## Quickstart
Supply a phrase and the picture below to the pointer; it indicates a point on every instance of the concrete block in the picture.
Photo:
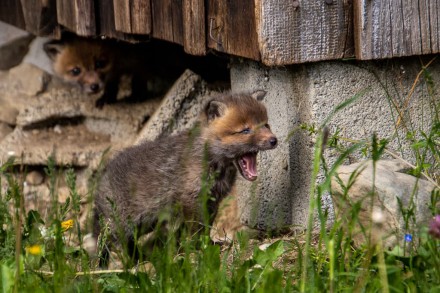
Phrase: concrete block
(320, 87)
(265, 203)
(308, 93)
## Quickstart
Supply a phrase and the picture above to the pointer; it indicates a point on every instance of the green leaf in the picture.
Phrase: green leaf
(270, 254)
(7, 278)
(70, 249)
(397, 251)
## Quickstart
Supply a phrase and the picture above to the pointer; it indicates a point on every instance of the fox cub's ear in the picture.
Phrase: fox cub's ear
(215, 109)
(53, 48)
(259, 95)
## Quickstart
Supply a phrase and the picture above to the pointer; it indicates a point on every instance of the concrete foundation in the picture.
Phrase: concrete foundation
(307, 94)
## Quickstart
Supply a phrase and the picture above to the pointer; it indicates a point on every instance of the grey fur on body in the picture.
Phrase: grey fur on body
(155, 177)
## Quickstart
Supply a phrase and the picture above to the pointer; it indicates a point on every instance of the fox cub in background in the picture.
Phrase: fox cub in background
(166, 177)
(97, 66)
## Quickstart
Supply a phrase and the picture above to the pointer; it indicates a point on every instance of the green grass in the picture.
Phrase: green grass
(38, 255)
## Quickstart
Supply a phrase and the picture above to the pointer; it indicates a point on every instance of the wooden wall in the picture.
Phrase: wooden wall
(275, 32)
(304, 31)
(394, 28)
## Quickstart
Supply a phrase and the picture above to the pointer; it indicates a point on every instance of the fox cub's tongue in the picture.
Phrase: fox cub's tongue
(248, 165)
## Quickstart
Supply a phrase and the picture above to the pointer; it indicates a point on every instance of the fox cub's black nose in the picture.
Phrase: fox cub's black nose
(94, 87)
(273, 141)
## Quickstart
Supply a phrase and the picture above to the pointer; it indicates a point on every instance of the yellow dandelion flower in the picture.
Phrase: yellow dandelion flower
(66, 225)
(34, 249)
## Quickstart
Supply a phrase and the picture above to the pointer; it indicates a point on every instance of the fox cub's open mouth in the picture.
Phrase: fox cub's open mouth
(247, 165)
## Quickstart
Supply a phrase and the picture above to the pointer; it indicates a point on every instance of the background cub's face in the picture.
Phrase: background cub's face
(83, 62)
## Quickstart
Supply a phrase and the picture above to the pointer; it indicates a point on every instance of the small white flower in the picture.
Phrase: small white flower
(264, 246)
(377, 216)
(43, 231)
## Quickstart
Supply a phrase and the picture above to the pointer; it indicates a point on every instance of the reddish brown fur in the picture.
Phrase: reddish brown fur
(153, 66)
(83, 54)
(97, 66)
(82, 61)
(166, 176)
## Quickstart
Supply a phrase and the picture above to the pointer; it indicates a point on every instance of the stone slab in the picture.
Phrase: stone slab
(70, 145)
(36, 55)
(179, 108)
(14, 44)
(5, 129)
(28, 79)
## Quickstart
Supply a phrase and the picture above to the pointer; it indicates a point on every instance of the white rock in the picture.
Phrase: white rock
(390, 185)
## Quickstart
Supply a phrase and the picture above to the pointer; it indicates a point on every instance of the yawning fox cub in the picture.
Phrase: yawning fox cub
(168, 176)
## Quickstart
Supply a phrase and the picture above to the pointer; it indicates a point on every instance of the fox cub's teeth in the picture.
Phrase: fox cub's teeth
(248, 166)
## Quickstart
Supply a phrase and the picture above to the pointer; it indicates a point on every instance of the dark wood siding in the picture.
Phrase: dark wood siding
(395, 28)
(275, 32)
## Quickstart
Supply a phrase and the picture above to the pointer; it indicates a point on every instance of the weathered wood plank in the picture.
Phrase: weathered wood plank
(132, 16)
(77, 15)
(167, 20)
(303, 31)
(39, 16)
(394, 28)
(107, 20)
(106, 24)
(232, 27)
(11, 12)
(434, 14)
(194, 31)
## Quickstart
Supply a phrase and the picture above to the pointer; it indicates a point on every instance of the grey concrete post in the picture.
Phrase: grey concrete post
(307, 94)
(266, 202)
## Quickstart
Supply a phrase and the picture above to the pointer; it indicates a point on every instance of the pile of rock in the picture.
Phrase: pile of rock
(40, 117)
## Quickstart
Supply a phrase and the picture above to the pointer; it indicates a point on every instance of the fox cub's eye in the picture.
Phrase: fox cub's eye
(247, 130)
(75, 71)
(267, 126)
(100, 64)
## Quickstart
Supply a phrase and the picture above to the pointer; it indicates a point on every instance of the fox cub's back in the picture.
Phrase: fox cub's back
(168, 175)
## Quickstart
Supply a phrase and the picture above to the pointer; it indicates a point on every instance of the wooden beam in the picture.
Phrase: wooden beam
(11, 12)
(232, 28)
(394, 28)
(194, 31)
(304, 31)
(39, 16)
(167, 20)
(107, 20)
(132, 16)
(107, 26)
(78, 16)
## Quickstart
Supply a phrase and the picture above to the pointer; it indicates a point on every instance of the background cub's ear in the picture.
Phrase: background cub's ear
(53, 48)
(215, 109)
(259, 95)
